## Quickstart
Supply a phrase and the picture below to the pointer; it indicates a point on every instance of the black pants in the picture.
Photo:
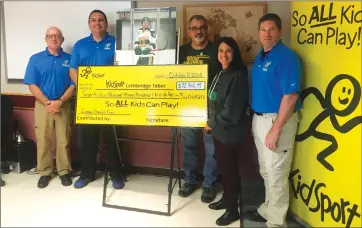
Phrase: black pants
(90, 141)
(228, 158)
(145, 61)
(7, 107)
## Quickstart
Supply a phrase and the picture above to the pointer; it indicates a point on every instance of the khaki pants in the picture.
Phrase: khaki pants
(275, 167)
(44, 125)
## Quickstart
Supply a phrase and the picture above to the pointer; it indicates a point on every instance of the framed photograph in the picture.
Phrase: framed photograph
(238, 20)
(146, 36)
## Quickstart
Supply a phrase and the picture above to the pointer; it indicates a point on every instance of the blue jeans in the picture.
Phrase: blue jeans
(189, 141)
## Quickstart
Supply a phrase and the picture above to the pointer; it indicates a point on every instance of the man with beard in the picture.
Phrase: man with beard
(199, 51)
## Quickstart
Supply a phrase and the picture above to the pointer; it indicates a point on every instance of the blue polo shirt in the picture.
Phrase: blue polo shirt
(88, 52)
(277, 74)
(50, 73)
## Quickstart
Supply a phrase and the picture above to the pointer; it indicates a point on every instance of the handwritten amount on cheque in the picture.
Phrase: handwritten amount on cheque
(121, 85)
(142, 95)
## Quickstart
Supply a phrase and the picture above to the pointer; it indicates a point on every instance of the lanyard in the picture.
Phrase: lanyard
(213, 84)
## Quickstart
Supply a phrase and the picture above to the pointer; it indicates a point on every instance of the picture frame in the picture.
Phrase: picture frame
(146, 36)
(237, 20)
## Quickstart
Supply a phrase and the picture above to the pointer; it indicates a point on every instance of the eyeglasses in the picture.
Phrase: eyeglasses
(57, 36)
(201, 28)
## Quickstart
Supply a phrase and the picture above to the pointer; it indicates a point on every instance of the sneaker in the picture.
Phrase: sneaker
(118, 183)
(83, 181)
(208, 195)
(187, 189)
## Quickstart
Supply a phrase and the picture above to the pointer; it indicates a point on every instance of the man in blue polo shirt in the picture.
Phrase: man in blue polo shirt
(96, 50)
(275, 99)
(47, 75)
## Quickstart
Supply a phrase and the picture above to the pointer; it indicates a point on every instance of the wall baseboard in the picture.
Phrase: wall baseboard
(164, 172)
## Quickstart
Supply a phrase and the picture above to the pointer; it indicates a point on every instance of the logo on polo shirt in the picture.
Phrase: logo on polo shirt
(65, 63)
(267, 64)
(107, 46)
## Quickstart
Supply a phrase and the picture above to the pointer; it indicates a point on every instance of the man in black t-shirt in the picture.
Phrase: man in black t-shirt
(199, 51)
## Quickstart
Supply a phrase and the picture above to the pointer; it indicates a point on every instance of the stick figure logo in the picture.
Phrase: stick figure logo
(343, 94)
(86, 72)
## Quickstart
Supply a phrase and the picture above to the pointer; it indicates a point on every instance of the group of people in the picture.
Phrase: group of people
(275, 88)
(275, 84)
(52, 76)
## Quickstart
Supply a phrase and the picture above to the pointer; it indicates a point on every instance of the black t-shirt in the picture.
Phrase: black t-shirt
(207, 55)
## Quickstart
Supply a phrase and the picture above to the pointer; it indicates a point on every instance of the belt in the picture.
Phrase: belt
(258, 113)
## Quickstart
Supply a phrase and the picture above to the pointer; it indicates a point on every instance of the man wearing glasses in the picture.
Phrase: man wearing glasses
(199, 51)
(47, 75)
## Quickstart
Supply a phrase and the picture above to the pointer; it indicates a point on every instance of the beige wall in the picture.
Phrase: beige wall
(282, 8)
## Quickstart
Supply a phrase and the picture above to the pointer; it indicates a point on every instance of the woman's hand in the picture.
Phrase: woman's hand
(207, 129)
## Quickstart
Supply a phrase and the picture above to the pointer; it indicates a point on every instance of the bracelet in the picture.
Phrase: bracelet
(61, 101)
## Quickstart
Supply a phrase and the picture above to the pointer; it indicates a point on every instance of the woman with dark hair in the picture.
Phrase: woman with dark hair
(227, 104)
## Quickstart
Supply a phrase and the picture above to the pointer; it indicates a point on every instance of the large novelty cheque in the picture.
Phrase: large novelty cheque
(169, 95)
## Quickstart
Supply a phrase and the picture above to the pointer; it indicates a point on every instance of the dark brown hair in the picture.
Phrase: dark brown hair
(237, 63)
(98, 11)
(271, 17)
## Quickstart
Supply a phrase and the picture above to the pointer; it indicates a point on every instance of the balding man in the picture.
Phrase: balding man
(47, 75)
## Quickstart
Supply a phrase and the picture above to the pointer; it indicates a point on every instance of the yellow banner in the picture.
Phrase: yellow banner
(326, 173)
(170, 95)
